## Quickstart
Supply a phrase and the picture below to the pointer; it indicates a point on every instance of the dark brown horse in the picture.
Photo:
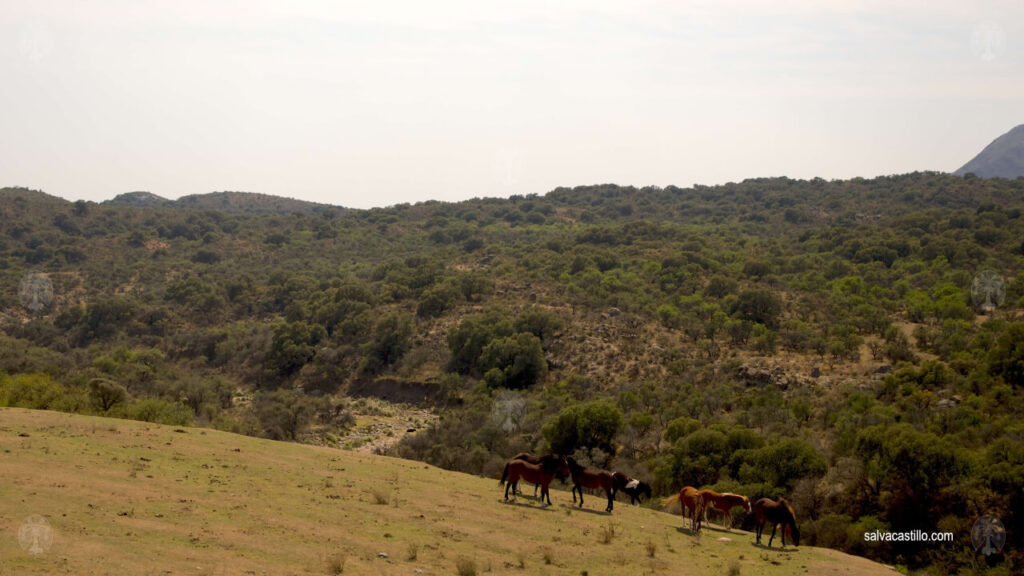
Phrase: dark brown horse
(780, 512)
(591, 478)
(633, 488)
(689, 499)
(723, 502)
(541, 474)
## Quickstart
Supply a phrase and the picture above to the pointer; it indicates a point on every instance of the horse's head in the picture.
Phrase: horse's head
(564, 468)
(794, 533)
(746, 504)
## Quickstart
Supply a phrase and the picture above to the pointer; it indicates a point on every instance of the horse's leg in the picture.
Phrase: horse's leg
(580, 488)
(611, 499)
(784, 526)
(507, 486)
(774, 526)
(728, 521)
(760, 527)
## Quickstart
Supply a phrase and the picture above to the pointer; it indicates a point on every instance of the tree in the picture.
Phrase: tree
(293, 345)
(467, 340)
(106, 394)
(758, 306)
(590, 425)
(283, 414)
(514, 361)
(391, 340)
(1006, 359)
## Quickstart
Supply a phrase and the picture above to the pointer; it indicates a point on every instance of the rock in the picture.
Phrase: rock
(613, 312)
(815, 372)
(883, 369)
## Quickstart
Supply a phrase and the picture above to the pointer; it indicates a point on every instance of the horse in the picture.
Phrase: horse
(535, 460)
(540, 474)
(633, 488)
(780, 512)
(723, 502)
(590, 478)
(689, 498)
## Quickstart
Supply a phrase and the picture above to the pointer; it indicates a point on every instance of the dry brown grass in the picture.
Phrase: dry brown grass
(232, 504)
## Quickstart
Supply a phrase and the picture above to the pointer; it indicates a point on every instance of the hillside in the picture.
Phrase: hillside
(137, 498)
(812, 339)
(226, 202)
(1003, 158)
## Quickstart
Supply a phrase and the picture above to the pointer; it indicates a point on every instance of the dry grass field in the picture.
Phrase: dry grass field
(122, 498)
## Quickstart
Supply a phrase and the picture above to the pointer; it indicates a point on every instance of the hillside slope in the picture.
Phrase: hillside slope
(1003, 158)
(125, 497)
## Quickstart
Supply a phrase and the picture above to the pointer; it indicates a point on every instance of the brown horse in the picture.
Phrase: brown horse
(780, 512)
(723, 502)
(541, 474)
(525, 457)
(590, 478)
(633, 488)
(689, 498)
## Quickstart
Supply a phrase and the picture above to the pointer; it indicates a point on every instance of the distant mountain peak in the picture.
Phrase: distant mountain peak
(1003, 158)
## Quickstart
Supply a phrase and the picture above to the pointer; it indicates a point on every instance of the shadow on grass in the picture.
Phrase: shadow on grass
(530, 505)
(776, 549)
(576, 508)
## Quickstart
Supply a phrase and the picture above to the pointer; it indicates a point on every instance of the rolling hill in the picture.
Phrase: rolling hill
(226, 202)
(775, 337)
(123, 497)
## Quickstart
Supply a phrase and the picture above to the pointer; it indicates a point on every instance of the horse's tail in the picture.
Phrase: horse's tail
(504, 476)
(670, 501)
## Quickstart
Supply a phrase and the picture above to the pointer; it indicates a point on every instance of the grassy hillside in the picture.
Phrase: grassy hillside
(812, 339)
(127, 497)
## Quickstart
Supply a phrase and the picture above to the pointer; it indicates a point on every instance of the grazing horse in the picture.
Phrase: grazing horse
(535, 460)
(689, 498)
(780, 512)
(634, 488)
(591, 478)
(723, 502)
(541, 474)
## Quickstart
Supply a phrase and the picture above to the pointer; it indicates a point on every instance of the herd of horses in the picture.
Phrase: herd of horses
(694, 504)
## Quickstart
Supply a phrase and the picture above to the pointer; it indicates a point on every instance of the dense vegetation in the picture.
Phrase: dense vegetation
(811, 339)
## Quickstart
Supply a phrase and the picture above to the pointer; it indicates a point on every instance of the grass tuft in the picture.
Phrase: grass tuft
(336, 564)
(465, 567)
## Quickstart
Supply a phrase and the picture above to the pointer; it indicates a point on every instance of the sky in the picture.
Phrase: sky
(364, 104)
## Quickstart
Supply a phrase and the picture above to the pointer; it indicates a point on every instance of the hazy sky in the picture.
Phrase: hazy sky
(375, 103)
